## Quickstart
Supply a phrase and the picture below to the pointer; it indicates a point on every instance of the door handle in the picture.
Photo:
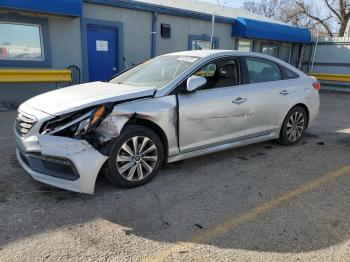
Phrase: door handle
(239, 100)
(284, 92)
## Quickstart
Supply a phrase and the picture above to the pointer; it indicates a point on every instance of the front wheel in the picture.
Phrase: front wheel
(135, 157)
(293, 126)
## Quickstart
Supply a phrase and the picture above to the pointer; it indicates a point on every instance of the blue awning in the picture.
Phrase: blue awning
(249, 28)
(57, 7)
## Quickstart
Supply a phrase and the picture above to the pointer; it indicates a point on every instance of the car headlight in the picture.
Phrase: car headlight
(75, 124)
(92, 121)
(96, 116)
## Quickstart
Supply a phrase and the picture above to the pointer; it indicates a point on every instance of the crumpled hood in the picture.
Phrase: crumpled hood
(72, 98)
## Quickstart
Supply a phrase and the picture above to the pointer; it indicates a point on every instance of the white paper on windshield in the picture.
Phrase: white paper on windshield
(101, 45)
(187, 59)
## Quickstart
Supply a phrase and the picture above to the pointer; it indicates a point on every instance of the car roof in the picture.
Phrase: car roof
(218, 52)
(204, 53)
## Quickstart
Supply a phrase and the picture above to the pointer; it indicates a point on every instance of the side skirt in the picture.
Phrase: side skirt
(222, 147)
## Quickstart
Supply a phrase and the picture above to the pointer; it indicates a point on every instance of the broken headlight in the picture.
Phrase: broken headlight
(75, 124)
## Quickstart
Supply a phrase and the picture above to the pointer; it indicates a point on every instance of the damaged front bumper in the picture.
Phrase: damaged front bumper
(60, 161)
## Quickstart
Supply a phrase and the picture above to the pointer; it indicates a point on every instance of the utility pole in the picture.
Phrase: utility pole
(212, 27)
(316, 45)
(212, 31)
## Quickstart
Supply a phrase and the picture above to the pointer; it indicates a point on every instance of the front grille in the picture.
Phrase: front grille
(24, 123)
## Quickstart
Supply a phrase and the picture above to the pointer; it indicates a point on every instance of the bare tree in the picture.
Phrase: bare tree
(267, 8)
(337, 9)
(283, 10)
(305, 13)
(294, 14)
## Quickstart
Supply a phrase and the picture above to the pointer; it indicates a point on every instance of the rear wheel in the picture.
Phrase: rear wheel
(135, 157)
(293, 126)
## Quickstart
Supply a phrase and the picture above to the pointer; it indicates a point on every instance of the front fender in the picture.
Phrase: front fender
(161, 111)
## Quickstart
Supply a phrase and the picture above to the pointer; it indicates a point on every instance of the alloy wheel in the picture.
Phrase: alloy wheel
(137, 158)
(295, 126)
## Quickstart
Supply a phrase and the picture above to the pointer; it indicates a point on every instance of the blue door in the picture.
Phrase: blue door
(102, 52)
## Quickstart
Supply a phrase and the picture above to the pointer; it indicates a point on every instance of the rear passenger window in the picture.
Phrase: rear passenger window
(288, 74)
(261, 70)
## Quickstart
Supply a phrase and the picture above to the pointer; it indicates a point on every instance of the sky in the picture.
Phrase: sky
(233, 3)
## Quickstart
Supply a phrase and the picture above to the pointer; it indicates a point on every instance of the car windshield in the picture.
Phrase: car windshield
(156, 72)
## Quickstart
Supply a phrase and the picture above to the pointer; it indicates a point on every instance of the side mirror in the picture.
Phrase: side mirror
(194, 82)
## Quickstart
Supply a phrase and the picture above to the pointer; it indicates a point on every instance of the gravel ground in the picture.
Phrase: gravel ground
(229, 200)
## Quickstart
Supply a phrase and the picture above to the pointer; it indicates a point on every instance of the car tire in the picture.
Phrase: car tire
(129, 167)
(293, 127)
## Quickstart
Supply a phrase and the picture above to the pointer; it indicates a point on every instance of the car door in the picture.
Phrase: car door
(268, 93)
(216, 113)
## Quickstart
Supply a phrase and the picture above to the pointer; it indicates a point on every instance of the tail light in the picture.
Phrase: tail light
(317, 86)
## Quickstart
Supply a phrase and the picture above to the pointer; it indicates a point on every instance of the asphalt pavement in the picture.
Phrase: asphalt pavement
(264, 202)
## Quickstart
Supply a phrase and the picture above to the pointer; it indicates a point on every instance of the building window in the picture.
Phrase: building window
(294, 60)
(20, 42)
(24, 42)
(201, 42)
(269, 50)
(245, 45)
(200, 45)
(285, 52)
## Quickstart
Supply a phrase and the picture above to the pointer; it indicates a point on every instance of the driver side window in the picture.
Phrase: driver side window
(220, 73)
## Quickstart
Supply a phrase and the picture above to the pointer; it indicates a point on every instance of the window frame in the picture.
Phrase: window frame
(45, 41)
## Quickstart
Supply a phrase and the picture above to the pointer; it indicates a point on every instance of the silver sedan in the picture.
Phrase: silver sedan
(170, 108)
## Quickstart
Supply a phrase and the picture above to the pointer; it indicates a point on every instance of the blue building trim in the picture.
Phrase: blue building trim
(59, 7)
(46, 45)
(203, 37)
(161, 9)
(154, 35)
(103, 23)
(249, 28)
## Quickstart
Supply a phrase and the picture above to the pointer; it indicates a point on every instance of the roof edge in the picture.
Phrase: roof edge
(161, 10)
(67, 8)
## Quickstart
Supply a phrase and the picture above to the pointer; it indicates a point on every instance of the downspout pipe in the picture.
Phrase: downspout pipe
(154, 35)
